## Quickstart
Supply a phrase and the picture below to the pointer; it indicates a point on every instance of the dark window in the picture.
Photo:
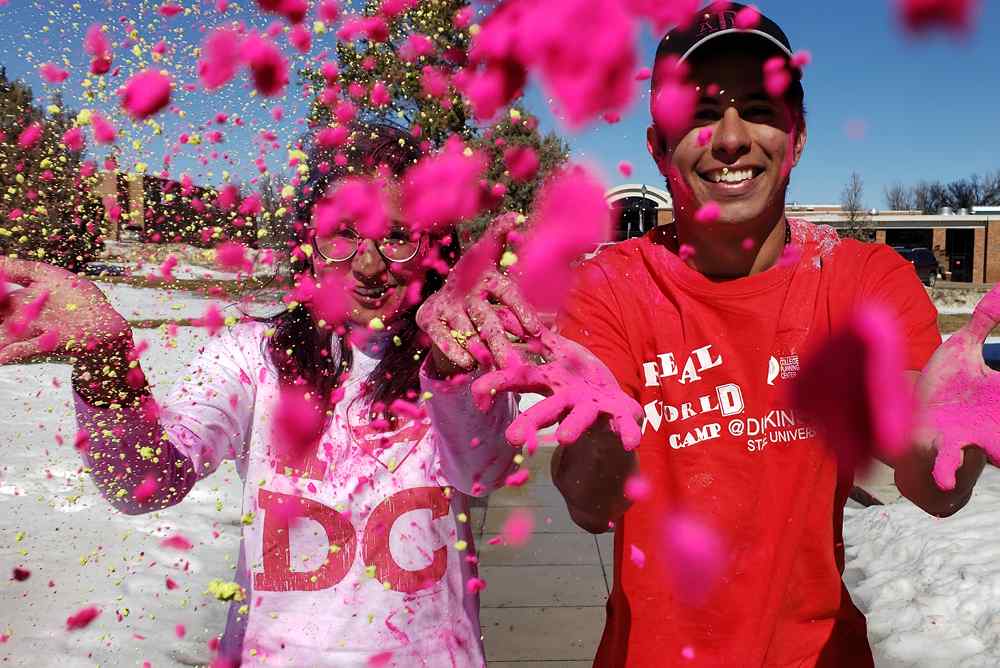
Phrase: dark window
(636, 216)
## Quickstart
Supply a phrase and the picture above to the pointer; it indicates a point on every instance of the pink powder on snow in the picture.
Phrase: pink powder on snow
(176, 542)
(82, 618)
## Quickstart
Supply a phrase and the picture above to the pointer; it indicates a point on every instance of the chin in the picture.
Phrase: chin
(738, 213)
(363, 315)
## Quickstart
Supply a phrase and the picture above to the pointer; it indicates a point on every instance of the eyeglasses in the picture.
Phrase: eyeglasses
(344, 244)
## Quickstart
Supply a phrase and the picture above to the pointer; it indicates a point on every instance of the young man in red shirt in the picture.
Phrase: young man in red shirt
(704, 338)
(702, 324)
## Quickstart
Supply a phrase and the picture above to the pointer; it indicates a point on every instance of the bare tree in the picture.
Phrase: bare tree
(965, 193)
(932, 196)
(991, 189)
(929, 197)
(899, 197)
(852, 202)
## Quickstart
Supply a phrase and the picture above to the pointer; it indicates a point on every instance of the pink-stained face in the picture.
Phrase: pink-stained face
(375, 287)
(740, 146)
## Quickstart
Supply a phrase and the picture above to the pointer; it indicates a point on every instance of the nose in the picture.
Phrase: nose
(731, 139)
(367, 262)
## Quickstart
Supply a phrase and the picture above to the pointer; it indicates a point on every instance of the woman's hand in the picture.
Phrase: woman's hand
(55, 310)
(479, 309)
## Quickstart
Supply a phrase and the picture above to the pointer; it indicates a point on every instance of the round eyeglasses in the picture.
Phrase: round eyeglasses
(343, 245)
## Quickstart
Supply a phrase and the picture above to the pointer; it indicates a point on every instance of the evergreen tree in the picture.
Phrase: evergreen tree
(364, 62)
(50, 210)
(518, 129)
(275, 226)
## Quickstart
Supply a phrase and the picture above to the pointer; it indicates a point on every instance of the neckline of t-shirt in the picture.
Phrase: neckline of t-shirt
(373, 347)
(696, 282)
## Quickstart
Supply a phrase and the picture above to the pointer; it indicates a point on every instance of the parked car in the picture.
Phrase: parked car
(991, 355)
(923, 261)
(103, 269)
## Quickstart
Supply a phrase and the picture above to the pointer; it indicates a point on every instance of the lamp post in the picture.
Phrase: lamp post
(642, 211)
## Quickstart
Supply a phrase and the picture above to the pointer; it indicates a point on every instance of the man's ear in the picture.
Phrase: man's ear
(800, 143)
(657, 148)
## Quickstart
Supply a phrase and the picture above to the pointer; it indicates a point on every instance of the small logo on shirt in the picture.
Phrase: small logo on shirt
(782, 367)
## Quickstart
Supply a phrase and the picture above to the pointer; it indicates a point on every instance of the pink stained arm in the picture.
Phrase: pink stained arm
(113, 451)
(473, 467)
(206, 418)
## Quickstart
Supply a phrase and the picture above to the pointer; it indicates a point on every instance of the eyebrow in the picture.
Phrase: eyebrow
(757, 96)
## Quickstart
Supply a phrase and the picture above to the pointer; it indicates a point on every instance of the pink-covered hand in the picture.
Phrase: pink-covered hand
(479, 305)
(961, 395)
(53, 308)
(579, 389)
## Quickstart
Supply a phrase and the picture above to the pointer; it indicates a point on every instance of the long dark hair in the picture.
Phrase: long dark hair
(299, 347)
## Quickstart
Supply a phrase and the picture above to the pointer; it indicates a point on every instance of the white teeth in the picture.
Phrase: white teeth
(727, 176)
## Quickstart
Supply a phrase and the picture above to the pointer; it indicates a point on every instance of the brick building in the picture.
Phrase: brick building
(967, 244)
(155, 209)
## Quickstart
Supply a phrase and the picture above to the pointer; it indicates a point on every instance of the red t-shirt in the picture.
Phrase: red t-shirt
(708, 361)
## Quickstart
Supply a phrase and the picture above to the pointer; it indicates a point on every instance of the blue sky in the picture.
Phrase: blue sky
(931, 106)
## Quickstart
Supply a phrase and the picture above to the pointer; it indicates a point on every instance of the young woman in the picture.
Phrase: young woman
(357, 550)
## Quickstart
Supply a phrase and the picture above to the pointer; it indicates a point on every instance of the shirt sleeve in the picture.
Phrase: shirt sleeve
(134, 467)
(474, 452)
(209, 413)
(592, 316)
(890, 280)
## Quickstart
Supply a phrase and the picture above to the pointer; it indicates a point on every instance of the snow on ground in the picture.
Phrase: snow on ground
(182, 270)
(157, 303)
(140, 259)
(989, 339)
(186, 271)
(154, 304)
(93, 555)
(955, 301)
(930, 587)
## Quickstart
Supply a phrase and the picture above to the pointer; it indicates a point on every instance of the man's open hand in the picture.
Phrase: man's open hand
(579, 390)
(961, 395)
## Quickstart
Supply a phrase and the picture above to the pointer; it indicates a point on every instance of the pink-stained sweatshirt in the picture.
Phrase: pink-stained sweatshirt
(367, 551)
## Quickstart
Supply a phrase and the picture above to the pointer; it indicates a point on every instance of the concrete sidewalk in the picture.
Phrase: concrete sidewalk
(544, 602)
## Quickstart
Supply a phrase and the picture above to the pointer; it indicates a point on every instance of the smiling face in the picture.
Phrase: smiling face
(755, 140)
(374, 286)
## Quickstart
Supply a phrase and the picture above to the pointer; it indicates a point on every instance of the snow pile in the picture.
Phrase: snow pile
(955, 301)
(929, 587)
(141, 259)
(81, 552)
(161, 304)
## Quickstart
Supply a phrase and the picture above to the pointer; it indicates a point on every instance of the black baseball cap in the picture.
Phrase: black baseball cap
(713, 22)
